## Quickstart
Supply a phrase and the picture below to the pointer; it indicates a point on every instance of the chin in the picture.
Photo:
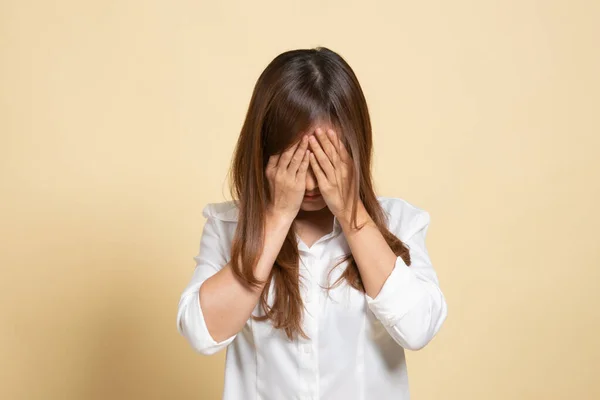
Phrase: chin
(313, 205)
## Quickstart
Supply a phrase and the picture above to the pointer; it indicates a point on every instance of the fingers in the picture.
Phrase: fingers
(322, 158)
(299, 155)
(333, 139)
(339, 145)
(327, 146)
(301, 174)
(272, 163)
(344, 154)
(321, 177)
(327, 149)
(286, 156)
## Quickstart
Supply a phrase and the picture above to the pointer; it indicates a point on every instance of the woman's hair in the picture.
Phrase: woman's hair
(298, 89)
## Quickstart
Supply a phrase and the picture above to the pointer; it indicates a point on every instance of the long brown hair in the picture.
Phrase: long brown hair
(297, 89)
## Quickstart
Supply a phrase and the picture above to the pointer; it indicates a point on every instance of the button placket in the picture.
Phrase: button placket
(311, 275)
(307, 357)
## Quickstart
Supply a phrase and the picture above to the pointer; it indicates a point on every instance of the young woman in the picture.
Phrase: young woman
(313, 283)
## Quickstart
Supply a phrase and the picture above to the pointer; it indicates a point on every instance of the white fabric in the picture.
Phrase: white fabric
(356, 345)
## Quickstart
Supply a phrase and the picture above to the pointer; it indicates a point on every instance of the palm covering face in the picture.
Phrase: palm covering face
(332, 166)
(286, 174)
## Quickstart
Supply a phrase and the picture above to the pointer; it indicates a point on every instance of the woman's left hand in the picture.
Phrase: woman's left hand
(334, 171)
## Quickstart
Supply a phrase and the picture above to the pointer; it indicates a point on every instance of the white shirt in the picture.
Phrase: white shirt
(356, 350)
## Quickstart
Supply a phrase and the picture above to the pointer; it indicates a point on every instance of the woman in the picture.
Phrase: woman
(305, 214)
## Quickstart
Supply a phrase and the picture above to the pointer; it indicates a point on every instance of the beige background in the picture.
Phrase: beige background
(117, 124)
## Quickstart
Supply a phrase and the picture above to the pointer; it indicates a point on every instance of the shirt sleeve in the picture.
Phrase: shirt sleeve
(190, 319)
(411, 304)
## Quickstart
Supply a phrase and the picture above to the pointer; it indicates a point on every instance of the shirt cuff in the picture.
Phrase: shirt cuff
(399, 293)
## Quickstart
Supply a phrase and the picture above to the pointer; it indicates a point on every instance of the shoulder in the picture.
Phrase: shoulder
(404, 218)
(223, 210)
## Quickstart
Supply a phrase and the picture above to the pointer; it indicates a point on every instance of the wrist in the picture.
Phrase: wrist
(276, 219)
(362, 216)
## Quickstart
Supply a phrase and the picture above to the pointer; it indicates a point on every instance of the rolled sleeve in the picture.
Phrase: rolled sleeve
(400, 293)
(410, 303)
(190, 317)
(192, 325)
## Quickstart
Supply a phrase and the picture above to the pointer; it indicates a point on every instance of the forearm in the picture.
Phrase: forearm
(226, 303)
(374, 257)
(408, 301)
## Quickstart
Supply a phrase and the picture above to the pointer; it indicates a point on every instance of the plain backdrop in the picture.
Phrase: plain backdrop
(117, 125)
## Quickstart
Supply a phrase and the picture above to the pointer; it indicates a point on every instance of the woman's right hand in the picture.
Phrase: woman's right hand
(286, 173)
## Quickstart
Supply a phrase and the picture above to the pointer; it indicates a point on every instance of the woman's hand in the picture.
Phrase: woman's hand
(333, 168)
(286, 174)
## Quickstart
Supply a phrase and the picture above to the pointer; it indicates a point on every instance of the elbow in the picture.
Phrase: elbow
(199, 340)
(195, 338)
(208, 350)
(414, 333)
(199, 344)
(191, 325)
(415, 345)
(415, 342)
